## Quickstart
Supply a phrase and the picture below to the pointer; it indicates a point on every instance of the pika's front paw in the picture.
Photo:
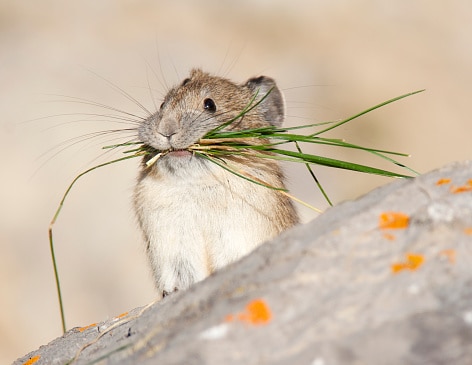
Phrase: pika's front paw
(166, 293)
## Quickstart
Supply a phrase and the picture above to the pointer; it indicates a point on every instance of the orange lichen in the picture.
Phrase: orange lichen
(389, 236)
(468, 231)
(82, 329)
(462, 188)
(257, 312)
(393, 220)
(443, 181)
(413, 262)
(229, 318)
(122, 315)
(32, 360)
(450, 254)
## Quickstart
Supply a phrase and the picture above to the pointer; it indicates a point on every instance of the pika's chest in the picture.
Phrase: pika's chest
(180, 194)
(220, 194)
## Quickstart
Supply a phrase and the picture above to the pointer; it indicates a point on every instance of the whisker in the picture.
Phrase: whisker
(122, 92)
(150, 90)
(84, 101)
(98, 137)
(110, 116)
(71, 142)
(233, 62)
(162, 80)
(109, 119)
(304, 87)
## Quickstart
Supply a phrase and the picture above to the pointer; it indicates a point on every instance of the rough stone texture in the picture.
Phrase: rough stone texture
(329, 286)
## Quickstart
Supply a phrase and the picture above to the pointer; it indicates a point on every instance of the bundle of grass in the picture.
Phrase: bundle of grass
(222, 141)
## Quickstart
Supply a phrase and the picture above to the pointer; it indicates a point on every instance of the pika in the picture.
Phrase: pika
(197, 217)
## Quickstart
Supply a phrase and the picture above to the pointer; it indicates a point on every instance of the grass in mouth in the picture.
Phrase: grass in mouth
(220, 143)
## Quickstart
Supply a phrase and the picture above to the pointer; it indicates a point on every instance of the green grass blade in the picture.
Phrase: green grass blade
(330, 162)
(367, 111)
(50, 232)
(125, 144)
(222, 165)
(56, 278)
(291, 156)
(310, 170)
(341, 143)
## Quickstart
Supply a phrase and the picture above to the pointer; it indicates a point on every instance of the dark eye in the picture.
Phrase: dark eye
(209, 104)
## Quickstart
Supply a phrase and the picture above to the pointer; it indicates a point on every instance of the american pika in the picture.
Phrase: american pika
(197, 217)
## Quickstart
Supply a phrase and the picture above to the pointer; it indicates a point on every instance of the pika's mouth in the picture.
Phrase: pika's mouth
(177, 153)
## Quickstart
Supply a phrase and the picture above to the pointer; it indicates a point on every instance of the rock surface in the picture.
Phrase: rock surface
(386, 279)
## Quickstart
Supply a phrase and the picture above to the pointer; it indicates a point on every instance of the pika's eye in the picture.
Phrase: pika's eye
(209, 104)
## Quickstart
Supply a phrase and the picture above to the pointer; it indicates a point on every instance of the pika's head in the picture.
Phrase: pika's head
(203, 102)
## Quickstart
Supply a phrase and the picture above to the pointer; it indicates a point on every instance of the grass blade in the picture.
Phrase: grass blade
(368, 111)
(240, 174)
(50, 232)
(258, 182)
(330, 162)
(314, 177)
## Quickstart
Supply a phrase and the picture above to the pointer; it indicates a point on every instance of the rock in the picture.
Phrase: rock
(385, 279)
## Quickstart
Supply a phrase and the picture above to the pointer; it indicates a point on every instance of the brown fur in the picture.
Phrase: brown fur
(197, 217)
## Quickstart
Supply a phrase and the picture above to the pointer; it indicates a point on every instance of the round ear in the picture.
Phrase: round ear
(272, 107)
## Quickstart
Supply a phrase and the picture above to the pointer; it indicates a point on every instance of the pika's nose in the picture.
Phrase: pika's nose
(167, 135)
(167, 128)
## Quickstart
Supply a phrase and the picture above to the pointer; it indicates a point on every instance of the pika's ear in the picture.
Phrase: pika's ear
(272, 107)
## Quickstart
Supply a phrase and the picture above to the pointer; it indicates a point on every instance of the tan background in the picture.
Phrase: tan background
(331, 58)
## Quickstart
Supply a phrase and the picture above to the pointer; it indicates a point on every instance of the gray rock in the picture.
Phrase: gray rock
(338, 290)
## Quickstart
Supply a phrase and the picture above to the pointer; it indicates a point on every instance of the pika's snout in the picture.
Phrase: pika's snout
(167, 128)
(164, 133)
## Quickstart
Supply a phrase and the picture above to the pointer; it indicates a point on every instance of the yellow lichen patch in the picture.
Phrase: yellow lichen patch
(32, 360)
(393, 220)
(443, 181)
(412, 262)
(468, 231)
(82, 329)
(449, 254)
(257, 312)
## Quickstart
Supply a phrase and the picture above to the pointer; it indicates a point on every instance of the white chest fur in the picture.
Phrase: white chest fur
(200, 220)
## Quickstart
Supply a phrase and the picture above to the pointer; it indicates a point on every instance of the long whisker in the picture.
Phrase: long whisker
(107, 119)
(74, 99)
(112, 118)
(122, 92)
(150, 90)
(97, 137)
(71, 142)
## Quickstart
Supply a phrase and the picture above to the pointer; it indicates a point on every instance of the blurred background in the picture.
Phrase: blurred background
(332, 59)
